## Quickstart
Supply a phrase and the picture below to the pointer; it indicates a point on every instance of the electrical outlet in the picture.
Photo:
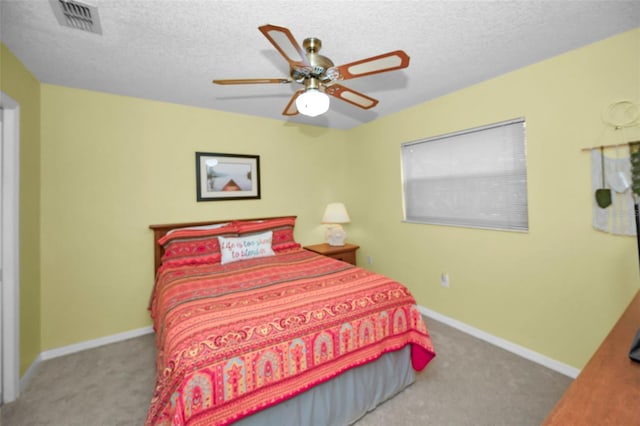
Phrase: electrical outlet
(444, 280)
(369, 260)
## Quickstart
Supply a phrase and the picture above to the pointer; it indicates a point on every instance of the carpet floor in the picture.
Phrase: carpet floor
(470, 382)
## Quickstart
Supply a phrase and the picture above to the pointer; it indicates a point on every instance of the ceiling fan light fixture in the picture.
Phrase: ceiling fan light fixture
(312, 103)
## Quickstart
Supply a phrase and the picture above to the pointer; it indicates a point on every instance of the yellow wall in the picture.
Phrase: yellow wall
(556, 289)
(17, 82)
(113, 165)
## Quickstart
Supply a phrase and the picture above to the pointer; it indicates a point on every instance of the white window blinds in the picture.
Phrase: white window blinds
(473, 178)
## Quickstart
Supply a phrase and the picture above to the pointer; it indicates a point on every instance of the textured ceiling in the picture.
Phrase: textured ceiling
(170, 50)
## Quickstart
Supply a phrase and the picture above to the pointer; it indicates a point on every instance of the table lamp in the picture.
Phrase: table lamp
(334, 215)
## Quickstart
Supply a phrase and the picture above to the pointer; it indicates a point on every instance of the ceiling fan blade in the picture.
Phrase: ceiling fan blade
(390, 61)
(283, 41)
(291, 108)
(348, 95)
(254, 81)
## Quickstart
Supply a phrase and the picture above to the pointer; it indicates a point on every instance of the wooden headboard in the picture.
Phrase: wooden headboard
(160, 231)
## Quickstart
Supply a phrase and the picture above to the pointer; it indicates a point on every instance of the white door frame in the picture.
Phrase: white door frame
(10, 248)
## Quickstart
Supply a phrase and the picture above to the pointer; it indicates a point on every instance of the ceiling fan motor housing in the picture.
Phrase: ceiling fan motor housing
(319, 64)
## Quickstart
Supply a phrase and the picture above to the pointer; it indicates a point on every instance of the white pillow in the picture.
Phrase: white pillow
(247, 247)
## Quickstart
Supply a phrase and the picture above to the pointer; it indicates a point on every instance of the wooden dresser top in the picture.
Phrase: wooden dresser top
(607, 391)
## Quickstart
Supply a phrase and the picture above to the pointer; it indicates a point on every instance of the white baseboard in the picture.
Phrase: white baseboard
(90, 344)
(536, 357)
(30, 372)
(82, 346)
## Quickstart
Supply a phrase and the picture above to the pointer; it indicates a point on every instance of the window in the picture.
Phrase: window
(473, 178)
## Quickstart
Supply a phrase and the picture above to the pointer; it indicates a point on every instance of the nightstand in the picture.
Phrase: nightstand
(346, 253)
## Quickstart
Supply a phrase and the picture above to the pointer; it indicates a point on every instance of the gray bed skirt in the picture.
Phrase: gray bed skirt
(344, 399)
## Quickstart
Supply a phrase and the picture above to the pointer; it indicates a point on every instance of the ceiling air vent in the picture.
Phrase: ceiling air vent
(77, 15)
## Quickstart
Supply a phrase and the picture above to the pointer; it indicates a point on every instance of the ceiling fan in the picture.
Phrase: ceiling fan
(319, 75)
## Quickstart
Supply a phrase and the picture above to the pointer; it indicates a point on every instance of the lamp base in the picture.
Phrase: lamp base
(335, 235)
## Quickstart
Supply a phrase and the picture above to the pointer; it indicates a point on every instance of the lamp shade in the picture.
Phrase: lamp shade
(335, 213)
(312, 103)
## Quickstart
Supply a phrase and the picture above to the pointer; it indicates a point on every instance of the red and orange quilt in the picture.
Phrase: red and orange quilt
(234, 339)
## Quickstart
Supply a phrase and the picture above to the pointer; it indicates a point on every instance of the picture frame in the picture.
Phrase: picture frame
(221, 177)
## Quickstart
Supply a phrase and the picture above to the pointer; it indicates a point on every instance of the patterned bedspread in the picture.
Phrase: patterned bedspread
(236, 338)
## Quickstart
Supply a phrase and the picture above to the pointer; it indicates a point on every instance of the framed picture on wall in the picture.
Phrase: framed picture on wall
(222, 177)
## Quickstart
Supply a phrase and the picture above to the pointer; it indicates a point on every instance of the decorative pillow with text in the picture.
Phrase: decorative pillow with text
(248, 247)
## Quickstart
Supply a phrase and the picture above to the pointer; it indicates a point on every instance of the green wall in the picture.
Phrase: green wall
(556, 289)
(17, 82)
(113, 165)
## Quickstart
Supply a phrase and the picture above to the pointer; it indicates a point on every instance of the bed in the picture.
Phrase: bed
(253, 329)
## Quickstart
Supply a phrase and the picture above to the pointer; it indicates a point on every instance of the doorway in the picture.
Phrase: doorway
(9, 249)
